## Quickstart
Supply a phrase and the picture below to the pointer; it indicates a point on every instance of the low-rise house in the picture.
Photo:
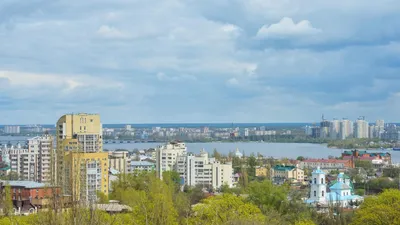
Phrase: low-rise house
(141, 166)
(29, 196)
(261, 171)
(368, 156)
(327, 164)
(282, 173)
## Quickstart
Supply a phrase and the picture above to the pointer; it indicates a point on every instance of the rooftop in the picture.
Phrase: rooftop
(284, 168)
(326, 160)
(26, 184)
(141, 163)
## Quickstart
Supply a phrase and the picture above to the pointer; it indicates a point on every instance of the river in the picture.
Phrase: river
(276, 150)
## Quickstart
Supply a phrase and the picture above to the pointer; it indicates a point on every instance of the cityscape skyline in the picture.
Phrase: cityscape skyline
(276, 62)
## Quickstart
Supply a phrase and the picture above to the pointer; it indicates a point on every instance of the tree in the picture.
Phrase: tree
(244, 178)
(251, 165)
(267, 196)
(150, 198)
(300, 158)
(217, 155)
(8, 207)
(225, 209)
(382, 209)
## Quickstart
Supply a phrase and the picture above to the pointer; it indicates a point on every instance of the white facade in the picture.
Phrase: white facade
(361, 129)
(33, 163)
(201, 170)
(167, 157)
(346, 129)
(12, 129)
(318, 186)
(193, 169)
(334, 129)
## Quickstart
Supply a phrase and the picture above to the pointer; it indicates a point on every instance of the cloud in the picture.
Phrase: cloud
(232, 82)
(287, 28)
(242, 61)
(110, 32)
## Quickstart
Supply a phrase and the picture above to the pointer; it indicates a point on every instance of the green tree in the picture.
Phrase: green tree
(251, 165)
(244, 178)
(382, 209)
(300, 158)
(8, 206)
(225, 209)
(217, 155)
(267, 196)
(151, 199)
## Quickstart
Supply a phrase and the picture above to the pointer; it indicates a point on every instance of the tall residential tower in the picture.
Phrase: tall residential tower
(82, 166)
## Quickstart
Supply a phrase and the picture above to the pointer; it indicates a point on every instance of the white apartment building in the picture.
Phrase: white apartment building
(361, 129)
(33, 163)
(167, 155)
(202, 170)
(12, 129)
(119, 160)
(346, 129)
(334, 129)
(193, 169)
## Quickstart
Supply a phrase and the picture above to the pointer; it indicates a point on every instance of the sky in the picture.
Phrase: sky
(177, 61)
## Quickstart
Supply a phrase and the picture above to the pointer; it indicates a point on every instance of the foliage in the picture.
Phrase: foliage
(103, 198)
(367, 165)
(216, 155)
(267, 196)
(381, 183)
(150, 198)
(8, 207)
(382, 209)
(305, 222)
(300, 158)
(225, 209)
(244, 178)
(392, 172)
(251, 165)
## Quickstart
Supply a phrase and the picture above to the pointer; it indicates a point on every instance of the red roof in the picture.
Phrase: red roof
(326, 160)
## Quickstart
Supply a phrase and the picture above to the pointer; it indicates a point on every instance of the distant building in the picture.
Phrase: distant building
(327, 164)
(238, 153)
(325, 128)
(368, 156)
(346, 129)
(12, 129)
(316, 132)
(281, 173)
(361, 129)
(334, 129)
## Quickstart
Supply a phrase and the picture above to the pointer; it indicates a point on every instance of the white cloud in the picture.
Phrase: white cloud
(110, 32)
(163, 77)
(232, 82)
(231, 29)
(286, 28)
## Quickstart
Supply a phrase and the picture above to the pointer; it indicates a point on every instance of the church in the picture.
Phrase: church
(340, 193)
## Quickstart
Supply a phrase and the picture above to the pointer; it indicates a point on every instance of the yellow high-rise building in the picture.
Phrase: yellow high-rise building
(82, 166)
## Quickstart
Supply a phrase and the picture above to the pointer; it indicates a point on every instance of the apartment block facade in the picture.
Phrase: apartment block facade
(82, 166)
(33, 162)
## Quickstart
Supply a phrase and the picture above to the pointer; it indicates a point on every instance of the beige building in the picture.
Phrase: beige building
(280, 173)
(82, 166)
(261, 171)
(119, 160)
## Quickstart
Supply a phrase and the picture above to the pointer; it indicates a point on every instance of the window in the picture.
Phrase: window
(323, 193)
(315, 180)
(322, 180)
(315, 193)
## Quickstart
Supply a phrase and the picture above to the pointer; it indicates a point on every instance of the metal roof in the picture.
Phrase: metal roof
(141, 163)
(23, 183)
